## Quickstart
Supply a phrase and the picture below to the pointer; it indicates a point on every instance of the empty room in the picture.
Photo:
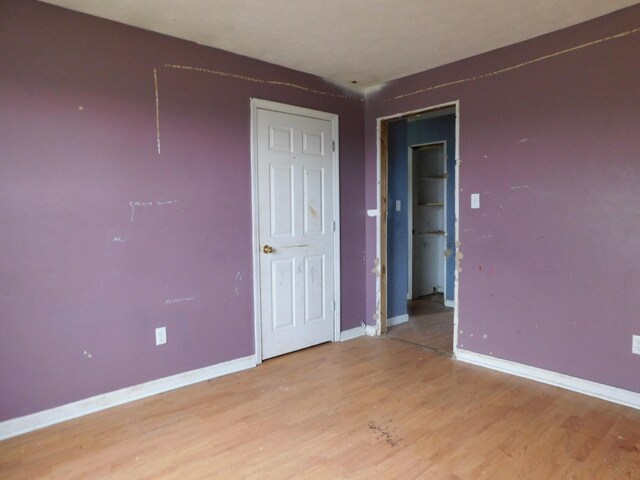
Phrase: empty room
(354, 239)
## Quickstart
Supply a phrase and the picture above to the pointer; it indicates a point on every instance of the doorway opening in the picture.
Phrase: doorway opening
(418, 226)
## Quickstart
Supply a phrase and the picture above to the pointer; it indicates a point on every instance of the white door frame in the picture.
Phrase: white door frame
(305, 112)
(411, 150)
(381, 230)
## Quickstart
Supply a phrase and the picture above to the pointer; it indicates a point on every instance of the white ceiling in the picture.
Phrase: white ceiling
(370, 41)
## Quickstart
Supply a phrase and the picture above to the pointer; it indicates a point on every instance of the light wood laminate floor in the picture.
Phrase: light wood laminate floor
(367, 408)
(430, 324)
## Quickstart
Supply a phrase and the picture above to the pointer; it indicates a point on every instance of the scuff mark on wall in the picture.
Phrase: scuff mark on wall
(179, 300)
(519, 187)
(376, 267)
(517, 66)
(87, 354)
(277, 83)
(459, 256)
(134, 204)
(376, 271)
(155, 83)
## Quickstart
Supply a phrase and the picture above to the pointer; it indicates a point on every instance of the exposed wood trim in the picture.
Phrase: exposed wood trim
(384, 199)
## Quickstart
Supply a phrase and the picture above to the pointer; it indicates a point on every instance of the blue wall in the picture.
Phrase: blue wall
(397, 226)
(401, 134)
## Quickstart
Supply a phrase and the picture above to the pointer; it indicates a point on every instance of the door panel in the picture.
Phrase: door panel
(314, 201)
(283, 286)
(314, 288)
(295, 197)
(282, 201)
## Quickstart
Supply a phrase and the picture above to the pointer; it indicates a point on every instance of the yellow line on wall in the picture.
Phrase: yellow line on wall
(517, 66)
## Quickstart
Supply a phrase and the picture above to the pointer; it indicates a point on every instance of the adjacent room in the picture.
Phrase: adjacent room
(319, 240)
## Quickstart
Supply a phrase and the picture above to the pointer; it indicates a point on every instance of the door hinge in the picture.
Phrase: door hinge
(334, 305)
(333, 145)
(334, 225)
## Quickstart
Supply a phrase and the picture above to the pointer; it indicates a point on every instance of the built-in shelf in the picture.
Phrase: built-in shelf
(431, 204)
(435, 233)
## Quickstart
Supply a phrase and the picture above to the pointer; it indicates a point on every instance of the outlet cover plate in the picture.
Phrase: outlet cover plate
(161, 335)
(635, 347)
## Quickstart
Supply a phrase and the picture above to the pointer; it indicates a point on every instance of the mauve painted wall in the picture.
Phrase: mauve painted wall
(551, 268)
(77, 145)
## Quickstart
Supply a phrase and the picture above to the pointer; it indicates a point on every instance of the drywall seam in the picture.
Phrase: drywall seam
(155, 83)
(259, 80)
(517, 66)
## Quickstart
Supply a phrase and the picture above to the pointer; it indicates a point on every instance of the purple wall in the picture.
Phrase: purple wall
(82, 272)
(550, 275)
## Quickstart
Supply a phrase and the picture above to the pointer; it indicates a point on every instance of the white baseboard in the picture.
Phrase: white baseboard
(371, 330)
(397, 320)
(586, 387)
(449, 303)
(352, 333)
(28, 423)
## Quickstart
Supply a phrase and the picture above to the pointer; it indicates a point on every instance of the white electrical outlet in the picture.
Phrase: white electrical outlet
(635, 346)
(161, 335)
(475, 200)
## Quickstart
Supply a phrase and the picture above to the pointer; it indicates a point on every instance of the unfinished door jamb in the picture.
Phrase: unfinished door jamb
(381, 223)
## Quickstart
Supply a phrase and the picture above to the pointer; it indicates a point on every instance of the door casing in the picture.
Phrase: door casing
(257, 104)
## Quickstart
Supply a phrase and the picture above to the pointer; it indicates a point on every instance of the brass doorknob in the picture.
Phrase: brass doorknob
(267, 249)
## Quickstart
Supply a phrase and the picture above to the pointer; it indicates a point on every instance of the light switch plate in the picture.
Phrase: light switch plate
(635, 347)
(475, 200)
(398, 205)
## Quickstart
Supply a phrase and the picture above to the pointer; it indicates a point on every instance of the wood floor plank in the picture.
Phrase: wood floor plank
(367, 408)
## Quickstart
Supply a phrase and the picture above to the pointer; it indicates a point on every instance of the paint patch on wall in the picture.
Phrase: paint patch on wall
(134, 204)
(173, 301)
(459, 256)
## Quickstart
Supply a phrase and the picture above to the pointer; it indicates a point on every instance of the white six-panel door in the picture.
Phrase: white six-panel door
(295, 230)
